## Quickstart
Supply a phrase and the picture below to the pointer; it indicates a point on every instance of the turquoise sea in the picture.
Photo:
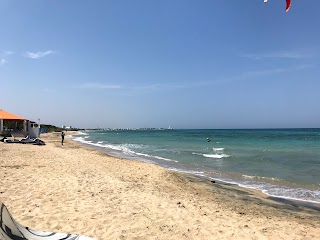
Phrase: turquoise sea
(282, 163)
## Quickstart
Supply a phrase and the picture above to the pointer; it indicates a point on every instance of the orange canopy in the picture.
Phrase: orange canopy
(9, 116)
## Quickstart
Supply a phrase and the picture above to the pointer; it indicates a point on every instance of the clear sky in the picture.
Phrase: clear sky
(161, 63)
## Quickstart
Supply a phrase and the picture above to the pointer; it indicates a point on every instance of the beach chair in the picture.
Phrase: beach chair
(18, 134)
(12, 230)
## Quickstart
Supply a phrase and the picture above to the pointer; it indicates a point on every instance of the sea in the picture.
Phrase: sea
(282, 163)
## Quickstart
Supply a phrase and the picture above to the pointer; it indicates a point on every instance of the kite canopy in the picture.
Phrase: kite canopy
(12, 230)
(288, 5)
(9, 116)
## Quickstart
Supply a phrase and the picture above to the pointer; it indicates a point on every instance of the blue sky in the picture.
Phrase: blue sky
(142, 63)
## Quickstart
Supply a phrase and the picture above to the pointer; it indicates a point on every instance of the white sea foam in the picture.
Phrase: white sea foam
(98, 144)
(200, 154)
(248, 176)
(271, 178)
(81, 133)
(133, 146)
(186, 171)
(157, 157)
(264, 178)
(79, 139)
(214, 155)
(217, 149)
(122, 148)
(217, 156)
(110, 146)
(297, 194)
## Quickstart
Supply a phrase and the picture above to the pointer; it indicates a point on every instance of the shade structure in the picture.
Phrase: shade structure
(10, 116)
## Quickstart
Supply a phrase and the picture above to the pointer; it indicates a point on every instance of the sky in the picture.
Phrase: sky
(179, 63)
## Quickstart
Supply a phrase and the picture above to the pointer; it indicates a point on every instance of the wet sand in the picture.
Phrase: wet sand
(75, 189)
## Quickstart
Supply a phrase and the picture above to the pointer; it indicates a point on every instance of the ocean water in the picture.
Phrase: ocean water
(282, 163)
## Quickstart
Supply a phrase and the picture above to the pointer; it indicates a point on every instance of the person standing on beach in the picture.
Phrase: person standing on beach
(62, 137)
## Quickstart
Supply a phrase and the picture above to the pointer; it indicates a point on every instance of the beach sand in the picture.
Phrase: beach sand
(75, 189)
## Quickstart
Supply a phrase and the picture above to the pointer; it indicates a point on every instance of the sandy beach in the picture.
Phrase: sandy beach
(75, 189)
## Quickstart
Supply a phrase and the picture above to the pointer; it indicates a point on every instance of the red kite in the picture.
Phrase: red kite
(287, 6)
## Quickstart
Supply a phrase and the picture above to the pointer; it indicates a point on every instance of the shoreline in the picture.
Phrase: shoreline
(73, 188)
(115, 153)
(270, 199)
